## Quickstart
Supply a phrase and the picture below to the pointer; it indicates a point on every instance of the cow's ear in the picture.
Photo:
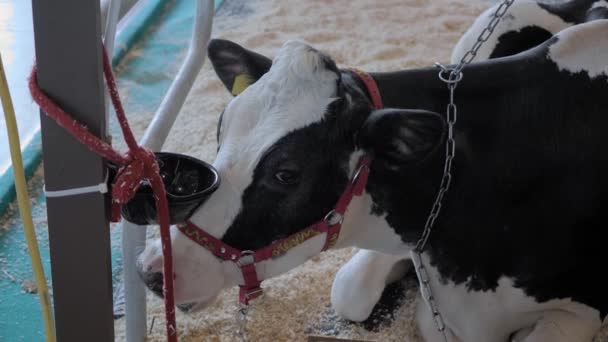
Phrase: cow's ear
(236, 66)
(397, 137)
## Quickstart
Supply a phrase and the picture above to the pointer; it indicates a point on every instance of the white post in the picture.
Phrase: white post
(134, 236)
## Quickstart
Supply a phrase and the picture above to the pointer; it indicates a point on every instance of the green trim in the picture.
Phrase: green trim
(31, 159)
(135, 26)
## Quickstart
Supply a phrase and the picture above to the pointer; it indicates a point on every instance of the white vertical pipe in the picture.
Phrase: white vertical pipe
(134, 236)
(111, 23)
(133, 243)
(109, 38)
(159, 128)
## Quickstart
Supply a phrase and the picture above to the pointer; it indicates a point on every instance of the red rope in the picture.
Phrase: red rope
(137, 165)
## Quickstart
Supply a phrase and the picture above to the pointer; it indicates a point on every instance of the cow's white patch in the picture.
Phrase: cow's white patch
(584, 48)
(189, 259)
(489, 316)
(492, 316)
(602, 3)
(365, 230)
(521, 14)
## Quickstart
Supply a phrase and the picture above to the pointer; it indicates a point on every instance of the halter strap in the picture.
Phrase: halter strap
(372, 87)
(246, 260)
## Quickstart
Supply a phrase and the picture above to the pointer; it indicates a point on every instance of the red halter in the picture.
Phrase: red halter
(331, 224)
(246, 260)
(372, 87)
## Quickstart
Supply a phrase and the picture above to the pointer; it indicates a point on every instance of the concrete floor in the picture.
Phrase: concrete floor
(17, 49)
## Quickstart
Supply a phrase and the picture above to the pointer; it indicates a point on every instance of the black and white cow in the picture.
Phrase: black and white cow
(360, 283)
(521, 237)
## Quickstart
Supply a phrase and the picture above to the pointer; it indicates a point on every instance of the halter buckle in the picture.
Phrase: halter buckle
(333, 218)
(246, 258)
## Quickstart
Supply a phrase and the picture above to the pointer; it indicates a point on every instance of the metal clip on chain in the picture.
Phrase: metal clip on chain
(241, 318)
(451, 76)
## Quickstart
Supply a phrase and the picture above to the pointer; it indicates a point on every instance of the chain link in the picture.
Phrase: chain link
(454, 76)
(241, 319)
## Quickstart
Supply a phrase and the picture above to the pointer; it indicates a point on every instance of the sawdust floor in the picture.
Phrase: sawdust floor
(372, 35)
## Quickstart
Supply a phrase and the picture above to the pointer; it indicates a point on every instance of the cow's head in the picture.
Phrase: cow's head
(288, 143)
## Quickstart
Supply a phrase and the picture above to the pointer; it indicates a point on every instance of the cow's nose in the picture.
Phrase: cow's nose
(154, 281)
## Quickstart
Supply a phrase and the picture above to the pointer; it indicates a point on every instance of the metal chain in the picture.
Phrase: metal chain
(241, 319)
(446, 179)
(454, 76)
(483, 36)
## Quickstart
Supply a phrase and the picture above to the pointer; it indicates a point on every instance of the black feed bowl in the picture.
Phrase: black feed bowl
(189, 183)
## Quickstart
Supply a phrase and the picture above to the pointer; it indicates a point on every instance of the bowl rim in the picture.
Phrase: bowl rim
(147, 190)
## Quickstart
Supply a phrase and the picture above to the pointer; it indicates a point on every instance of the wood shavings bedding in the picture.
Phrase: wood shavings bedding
(371, 35)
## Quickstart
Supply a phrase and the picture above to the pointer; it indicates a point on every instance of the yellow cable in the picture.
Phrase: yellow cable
(24, 205)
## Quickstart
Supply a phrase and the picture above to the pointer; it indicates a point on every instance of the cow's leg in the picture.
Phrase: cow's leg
(427, 327)
(560, 326)
(360, 282)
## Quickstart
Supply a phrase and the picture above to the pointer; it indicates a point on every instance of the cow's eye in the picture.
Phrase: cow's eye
(286, 177)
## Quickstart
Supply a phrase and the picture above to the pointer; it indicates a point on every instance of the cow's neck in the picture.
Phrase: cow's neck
(403, 200)
(412, 89)
(373, 221)
(495, 99)
(422, 88)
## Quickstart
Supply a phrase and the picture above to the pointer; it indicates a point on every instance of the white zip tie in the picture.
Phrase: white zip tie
(101, 188)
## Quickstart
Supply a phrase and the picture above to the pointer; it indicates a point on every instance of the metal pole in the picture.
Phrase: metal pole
(68, 54)
(133, 236)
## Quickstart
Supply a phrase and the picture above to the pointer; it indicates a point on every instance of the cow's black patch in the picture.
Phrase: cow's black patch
(597, 13)
(399, 137)
(514, 42)
(527, 197)
(574, 11)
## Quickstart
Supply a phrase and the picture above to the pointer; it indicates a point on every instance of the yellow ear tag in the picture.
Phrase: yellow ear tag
(241, 82)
